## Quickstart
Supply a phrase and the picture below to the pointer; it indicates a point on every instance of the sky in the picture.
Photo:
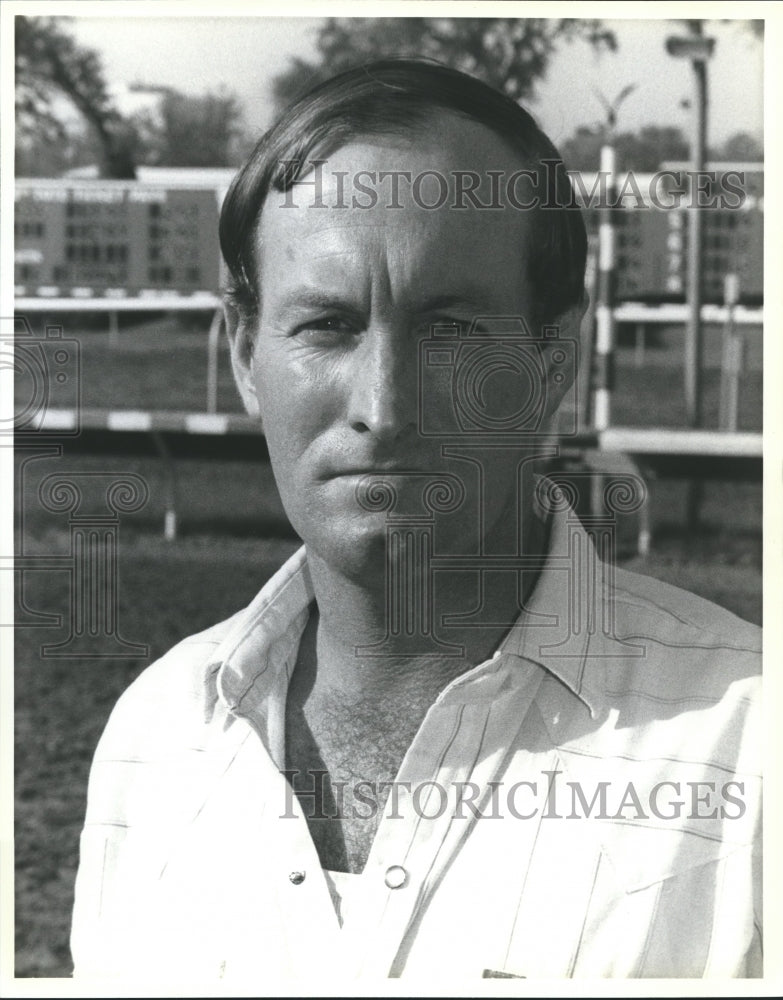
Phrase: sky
(243, 54)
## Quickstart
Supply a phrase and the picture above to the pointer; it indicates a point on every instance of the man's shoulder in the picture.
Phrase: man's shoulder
(176, 701)
(176, 692)
(676, 692)
(679, 618)
(185, 665)
(683, 650)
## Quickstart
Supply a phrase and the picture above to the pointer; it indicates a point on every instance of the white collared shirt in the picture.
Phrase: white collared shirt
(584, 803)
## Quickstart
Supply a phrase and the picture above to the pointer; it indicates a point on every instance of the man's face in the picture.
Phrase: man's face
(347, 296)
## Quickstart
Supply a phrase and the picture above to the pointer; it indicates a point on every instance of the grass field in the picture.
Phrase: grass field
(233, 536)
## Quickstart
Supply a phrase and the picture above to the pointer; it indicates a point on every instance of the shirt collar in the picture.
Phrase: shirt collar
(552, 630)
(565, 627)
(256, 658)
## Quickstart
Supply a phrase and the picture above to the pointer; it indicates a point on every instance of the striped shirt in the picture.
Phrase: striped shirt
(584, 803)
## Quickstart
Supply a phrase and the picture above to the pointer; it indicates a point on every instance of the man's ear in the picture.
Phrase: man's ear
(562, 360)
(241, 339)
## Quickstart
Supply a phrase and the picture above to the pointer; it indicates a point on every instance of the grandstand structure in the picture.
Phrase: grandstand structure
(157, 236)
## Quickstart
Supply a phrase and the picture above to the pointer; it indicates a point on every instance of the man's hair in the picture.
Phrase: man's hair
(394, 96)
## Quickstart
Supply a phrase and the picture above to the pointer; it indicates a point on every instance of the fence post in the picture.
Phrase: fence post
(213, 343)
(114, 329)
(639, 346)
(731, 358)
(170, 513)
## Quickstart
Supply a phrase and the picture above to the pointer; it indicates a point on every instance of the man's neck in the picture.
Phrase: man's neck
(358, 651)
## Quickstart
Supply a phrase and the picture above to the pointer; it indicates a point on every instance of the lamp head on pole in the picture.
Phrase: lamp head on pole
(694, 47)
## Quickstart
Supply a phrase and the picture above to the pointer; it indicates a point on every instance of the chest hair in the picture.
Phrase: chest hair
(342, 756)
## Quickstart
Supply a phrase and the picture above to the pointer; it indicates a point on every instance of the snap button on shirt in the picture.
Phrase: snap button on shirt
(396, 877)
(297, 877)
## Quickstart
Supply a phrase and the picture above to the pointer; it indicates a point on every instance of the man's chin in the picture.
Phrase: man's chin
(357, 549)
(350, 529)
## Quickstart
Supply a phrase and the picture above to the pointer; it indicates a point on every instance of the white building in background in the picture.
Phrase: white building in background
(217, 178)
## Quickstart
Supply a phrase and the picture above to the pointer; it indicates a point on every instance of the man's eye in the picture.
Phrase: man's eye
(325, 331)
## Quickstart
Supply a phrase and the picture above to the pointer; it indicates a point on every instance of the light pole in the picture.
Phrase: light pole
(607, 238)
(698, 49)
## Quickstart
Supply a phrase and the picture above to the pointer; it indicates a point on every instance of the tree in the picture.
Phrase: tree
(648, 148)
(37, 155)
(742, 147)
(509, 54)
(582, 151)
(48, 61)
(192, 131)
(645, 150)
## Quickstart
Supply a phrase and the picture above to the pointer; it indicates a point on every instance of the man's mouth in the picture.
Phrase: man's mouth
(381, 469)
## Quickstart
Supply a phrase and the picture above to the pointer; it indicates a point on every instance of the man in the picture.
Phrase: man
(444, 740)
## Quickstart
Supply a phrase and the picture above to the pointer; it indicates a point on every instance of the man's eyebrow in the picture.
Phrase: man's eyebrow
(470, 299)
(314, 298)
(467, 298)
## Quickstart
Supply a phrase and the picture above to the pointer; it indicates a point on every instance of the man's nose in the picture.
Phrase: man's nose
(384, 398)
